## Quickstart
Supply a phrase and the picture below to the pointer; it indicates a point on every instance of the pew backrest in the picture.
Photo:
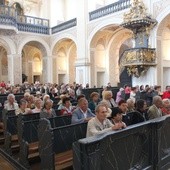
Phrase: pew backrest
(10, 121)
(28, 130)
(125, 149)
(60, 121)
(32, 116)
(66, 135)
(54, 141)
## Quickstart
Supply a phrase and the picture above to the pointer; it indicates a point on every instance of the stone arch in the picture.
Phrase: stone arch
(163, 14)
(63, 50)
(105, 36)
(8, 44)
(62, 37)
(3, 64)
(114, 52)
(101, 25)
(33, 46)
(38, 42)
(72, 54)
(162, 50)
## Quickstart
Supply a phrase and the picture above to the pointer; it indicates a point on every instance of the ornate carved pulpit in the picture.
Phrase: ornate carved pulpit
(138, 60)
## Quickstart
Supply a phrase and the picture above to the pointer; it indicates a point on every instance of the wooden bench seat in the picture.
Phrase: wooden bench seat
(10, 130)
(33, 148)
(28, 140)
(55, 144)
(14, 143)
(64, 158)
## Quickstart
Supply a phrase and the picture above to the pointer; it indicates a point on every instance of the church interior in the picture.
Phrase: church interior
(81, 47)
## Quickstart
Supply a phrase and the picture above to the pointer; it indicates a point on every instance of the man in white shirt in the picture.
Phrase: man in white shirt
(100, 124)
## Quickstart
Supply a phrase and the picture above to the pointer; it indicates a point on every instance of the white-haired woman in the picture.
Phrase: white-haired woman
(11, 104)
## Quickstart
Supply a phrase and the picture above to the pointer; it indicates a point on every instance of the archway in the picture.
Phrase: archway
(64, 55)
(104, 52)
(123, 75)
(32, 61)
(3, 64)
(163, 52)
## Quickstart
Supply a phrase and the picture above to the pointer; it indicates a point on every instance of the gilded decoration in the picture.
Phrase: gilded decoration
(137, 60)
(137, 11)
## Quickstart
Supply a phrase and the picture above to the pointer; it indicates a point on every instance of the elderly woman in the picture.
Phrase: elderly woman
(45, 98)
(38, 105)
(47, 110)
(166, 106)
(23, 109)
(11, 104)
(130, 105)
(107, 97)
(31, 104)
(119, 95)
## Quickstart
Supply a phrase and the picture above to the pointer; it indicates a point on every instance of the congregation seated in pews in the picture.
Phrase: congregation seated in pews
(30, 136)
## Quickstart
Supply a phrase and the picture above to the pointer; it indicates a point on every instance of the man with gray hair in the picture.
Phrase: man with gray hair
(154, 110)
(100, 124)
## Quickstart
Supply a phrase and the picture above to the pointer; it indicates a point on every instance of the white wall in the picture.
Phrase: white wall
(57, 12)
(95, 4)
(166, 77)
(62, 10)
(70, 9)
(149, 78)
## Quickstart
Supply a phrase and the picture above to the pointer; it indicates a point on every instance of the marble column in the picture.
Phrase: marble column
(93, 68)
(82, 64)
(54, 70)
(47, 70)
(10, 69)
(14, 68)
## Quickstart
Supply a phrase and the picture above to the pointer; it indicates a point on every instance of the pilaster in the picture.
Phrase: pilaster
(14, 68)
(10, 69)
(82, 63)
(47, 70)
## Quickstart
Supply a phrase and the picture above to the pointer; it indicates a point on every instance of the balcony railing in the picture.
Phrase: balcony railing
(32, 24)
(24, 19)
(8, 16)
(109, 9)
(64, 26)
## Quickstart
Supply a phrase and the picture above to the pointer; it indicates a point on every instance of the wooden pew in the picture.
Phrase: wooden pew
(141, 146)
(3, 98)
(88, 91)
(28, 140)
(60, 121)
(130, 148)
(10, 130)
(11, 126)
(55, 144)
(58, 112)
(1, 127)
(28, 135)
